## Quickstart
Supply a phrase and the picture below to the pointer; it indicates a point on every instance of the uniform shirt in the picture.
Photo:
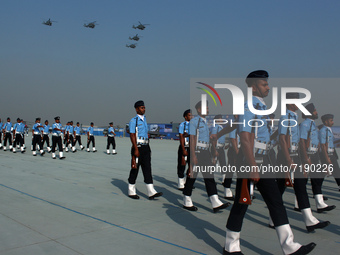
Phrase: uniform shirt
(77, 129)
(308, 127)
(263, 132)
(19, 128)
(90, 130)
(234, 135)
(142, 127)
(184, 128)
(1, 126)
(217, 129)
(56, 132)
(35, 128)
(71, 129)
(326, 136)
(292, 131)
(46, 129)
(7, 126)
(67, 127)
(198, 123)
(111, 129)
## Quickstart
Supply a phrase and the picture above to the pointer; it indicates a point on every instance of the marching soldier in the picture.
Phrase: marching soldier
(218, 147)
(66, 137)
(7, 129)
(328, 153)
(183, 155)
(200, 156)
(111, 139)
(18, 133)
(90, 138)
(77, 133)
(46, 131)
(254, 150)
(71, 138)
(140, 153)
(36, 133)
(289, 138)
(57, 130)
(309, 146)
(0, 133)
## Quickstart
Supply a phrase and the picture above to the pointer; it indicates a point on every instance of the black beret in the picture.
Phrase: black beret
(77, 122)
(37, 119)
(91, 123)
(186, 112)
(111, 123)
(57, 118)
(218, 116)
(198, 105)
(259, 74)
(8, 118)
(139, 103)
(327, 117)
(18, 118)
(292, 95)
(310, 107)
(46, 120)
(272, 115)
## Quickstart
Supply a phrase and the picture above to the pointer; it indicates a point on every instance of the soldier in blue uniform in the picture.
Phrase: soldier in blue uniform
(183, 155)
(1, 124)
(46, 131)
(66, 137)
(219, 146)
(289, 138)
(71, 138)
(140, 153)
(328, 153)
(57, 131)
(77, 133)
(200, 156)
(7, 130)
(255, 144)
(90, 138)
(111, 139)
(309, 146)
(36, 133)
(18, 133)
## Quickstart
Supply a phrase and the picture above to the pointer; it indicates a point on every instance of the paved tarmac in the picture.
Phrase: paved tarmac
(79, 205)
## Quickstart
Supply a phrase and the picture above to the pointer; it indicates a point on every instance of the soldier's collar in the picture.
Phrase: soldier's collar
(261, 100)
(141, 117)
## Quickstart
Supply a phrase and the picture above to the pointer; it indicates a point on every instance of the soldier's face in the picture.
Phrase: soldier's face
(140, 110)
(261, 88)
(188, 117)
(329, 122)
(315, 115)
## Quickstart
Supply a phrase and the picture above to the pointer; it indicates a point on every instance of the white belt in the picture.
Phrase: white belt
(330, 151)
(77, 134)
(202, 145)
(110, 135)
(36, 133)
(219, 145)
(312, 149)
(55, 134)
(261, 146)
(142, 140)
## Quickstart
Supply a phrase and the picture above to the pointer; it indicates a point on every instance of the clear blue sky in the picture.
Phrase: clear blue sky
(89, 75)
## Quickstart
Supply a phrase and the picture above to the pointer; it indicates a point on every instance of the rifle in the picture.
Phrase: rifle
(289, 180)
(246, 196)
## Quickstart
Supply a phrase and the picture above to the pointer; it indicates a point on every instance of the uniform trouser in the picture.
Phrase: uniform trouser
(18, 140)
(0, 135)
(204, 160)
(316, 179)
(71, 140)
(45, 139)
(336, 168)
(180, 167)
(300, 182)
(111, 140)
(144, 161)
(78, 139)
(231, 161)
(37, 140)
(8, 137)
(91, 140)
(271, 196)
(57, 140)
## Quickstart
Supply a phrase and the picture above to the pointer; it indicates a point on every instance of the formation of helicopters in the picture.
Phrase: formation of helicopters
(93, 24)
(136, 38)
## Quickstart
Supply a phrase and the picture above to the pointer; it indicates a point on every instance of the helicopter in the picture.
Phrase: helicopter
(140, 26)
(135, 38)
(48, 22)
(91, 24)
(132, 46)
